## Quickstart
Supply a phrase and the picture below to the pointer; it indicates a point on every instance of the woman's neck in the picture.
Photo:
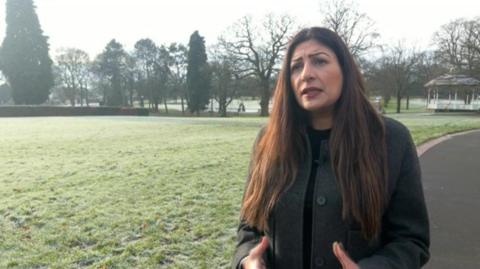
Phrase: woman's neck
(321, 121)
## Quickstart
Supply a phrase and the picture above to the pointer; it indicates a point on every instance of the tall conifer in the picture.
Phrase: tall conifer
(198, 75)
(24, 58)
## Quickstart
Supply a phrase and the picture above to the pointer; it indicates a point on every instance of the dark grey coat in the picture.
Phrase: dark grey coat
(403, 242)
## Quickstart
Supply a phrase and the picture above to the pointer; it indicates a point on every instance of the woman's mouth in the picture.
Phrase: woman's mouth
(311, 92)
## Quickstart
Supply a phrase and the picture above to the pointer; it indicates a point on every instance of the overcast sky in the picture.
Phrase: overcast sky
(90, 24)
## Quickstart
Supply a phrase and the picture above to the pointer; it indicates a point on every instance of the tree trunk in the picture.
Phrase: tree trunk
(211, 106)
(408, 102)
(399, 101)
(222, 106)
(104, 97)
(264, 99)
(165, 104)
(86, 97)
(183, 105)
(223, 111)
(81, 96)
(131, 98)
(156, 105)
(151, 101)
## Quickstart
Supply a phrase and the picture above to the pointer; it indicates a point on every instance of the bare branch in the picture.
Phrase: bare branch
(257, 48)
(355, 28)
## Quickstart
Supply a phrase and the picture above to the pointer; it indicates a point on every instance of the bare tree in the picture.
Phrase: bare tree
(396, 73)
(145, 55)
(458, 44)
(224, 78)
(376, 79)
(475, 41)
(257, 50)
(356, 29)
(129, 78)
(223, 85)
(471, 46)
(161, 76)
(429, 66)
(401, 63)
(178, 72)
(73, 66)
(448, 42)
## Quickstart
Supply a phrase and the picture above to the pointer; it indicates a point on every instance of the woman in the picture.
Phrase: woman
(332, 184)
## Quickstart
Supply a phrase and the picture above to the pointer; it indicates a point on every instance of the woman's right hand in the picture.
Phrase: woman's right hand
(254, 260)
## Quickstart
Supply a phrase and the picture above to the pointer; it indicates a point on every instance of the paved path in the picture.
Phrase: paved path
(451, 178)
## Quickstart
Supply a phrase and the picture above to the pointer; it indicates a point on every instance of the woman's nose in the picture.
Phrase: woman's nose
(307, 72)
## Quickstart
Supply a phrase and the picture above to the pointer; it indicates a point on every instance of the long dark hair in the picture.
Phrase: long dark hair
(357, 145)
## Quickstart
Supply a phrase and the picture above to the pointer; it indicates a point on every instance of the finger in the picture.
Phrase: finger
(259, 249)
(342, 256)
(255, 264)
(336, 251)
(262, 265)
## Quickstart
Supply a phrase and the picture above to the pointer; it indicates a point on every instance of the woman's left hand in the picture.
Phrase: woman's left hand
(343, 258)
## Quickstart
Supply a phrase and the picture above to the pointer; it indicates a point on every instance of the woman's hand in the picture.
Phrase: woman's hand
(343, 257)
(254, 260)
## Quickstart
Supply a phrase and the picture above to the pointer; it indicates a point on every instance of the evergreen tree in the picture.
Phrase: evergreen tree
(24, 58)
(111, 64)
(198, 75)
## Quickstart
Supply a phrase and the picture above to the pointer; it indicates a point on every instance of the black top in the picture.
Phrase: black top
(316, 137)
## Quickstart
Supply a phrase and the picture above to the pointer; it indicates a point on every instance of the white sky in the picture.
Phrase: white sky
(90, 24)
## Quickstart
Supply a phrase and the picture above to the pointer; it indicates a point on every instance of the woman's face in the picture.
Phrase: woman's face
(316, 77)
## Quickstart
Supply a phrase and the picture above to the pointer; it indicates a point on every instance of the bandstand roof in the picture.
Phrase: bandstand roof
(452, 80)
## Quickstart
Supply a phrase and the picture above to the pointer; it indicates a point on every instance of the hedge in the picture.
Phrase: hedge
(48, 111)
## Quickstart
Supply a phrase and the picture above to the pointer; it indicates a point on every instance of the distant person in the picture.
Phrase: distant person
(241, 107)
(332, 183)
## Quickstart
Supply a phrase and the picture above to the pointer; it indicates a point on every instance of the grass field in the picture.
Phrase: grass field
(126, 192)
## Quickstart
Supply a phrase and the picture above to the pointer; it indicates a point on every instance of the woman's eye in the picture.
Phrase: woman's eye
(319, 61)
(296, 67)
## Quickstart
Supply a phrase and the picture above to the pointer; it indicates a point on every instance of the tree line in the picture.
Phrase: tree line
(244, 61)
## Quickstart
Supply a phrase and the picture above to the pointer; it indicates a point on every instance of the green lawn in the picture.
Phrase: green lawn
(426, 126)
(127, 192)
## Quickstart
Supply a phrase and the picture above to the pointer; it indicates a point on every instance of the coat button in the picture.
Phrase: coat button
(319, 262)
(321, 200)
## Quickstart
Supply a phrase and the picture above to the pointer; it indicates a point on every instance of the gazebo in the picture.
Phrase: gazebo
(453, 93)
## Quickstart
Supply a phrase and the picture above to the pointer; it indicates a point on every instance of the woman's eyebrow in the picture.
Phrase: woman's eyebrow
(311, 55)
(319, 53)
